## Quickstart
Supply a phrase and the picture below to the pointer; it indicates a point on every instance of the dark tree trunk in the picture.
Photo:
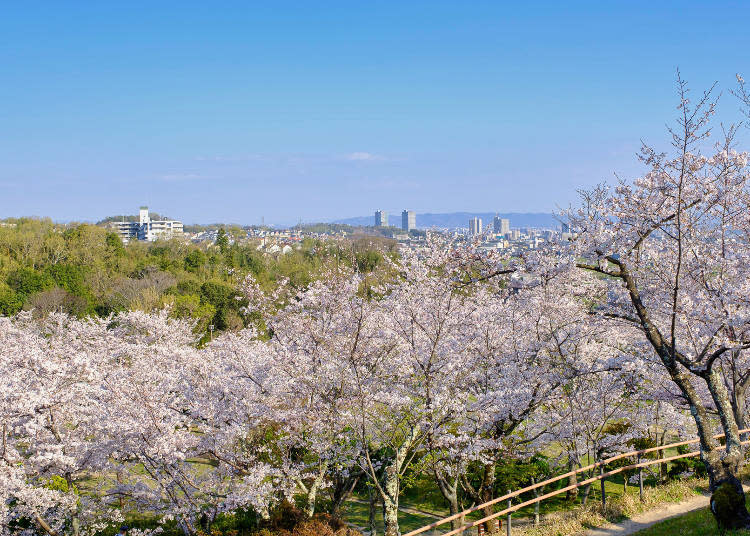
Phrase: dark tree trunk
(586, 491)
(373, 503)
(728, 504)
(341, 490)
(572, 494)
(724, 465)
(449, 489)
(487, 493)
(484, 493)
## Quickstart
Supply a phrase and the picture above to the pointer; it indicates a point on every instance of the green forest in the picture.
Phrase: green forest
(84, 269)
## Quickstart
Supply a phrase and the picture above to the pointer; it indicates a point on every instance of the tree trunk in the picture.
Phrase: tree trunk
(727, 495)
(391, 481)
(739, 395)
(186, 526)
(341, 490)
(390, 499)
(586, 491)
(572, 494)
(312, 492)
(487, 492)
(449, 490)
(484, 493)
(738, 408)
(75, 521)
(373, 500)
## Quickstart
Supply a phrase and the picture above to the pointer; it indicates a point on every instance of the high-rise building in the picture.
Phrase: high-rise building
(475, 226)
(381, 218)
(408, 220)
(500, 225)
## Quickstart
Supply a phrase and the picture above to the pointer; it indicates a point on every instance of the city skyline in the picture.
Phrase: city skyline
(242, 114)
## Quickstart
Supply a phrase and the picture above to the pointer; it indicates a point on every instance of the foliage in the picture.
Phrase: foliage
(86, 270)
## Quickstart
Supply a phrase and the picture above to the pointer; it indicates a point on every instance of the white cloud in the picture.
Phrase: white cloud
(362, 156)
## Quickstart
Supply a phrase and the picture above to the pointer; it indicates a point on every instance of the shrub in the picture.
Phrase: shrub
(10, 302)
(26, 281)
(56, 299)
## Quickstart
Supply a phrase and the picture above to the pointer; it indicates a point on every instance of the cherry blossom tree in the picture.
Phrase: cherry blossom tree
(673, 245)
(434, 318)
(50, 425)
(315, 337)
(128, 403)
(536, 336)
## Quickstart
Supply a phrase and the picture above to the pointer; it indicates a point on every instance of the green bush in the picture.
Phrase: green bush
(10, 302)
(26, 281)
(194, 260)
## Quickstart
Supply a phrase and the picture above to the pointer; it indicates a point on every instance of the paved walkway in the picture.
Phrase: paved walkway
(652, 517)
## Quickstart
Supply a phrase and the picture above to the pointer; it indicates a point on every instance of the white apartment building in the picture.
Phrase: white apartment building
(146, 228)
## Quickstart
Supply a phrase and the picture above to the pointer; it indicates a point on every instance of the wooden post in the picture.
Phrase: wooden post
(507, 527)
(604, 494)
(640, 479)
(536, 504)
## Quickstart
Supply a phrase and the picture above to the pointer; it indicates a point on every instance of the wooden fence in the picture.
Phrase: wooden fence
(601, 477)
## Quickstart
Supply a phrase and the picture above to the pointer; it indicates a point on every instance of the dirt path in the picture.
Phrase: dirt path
(646, 519)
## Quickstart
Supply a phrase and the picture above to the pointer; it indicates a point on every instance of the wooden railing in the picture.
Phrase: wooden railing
(601, 476)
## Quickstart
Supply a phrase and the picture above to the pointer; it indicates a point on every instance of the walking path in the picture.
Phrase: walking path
(625, 528)
(652, 517)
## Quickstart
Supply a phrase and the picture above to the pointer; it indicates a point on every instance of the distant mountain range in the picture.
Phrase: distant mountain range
(454, 220)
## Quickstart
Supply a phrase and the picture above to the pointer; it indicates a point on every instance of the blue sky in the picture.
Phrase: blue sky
(234, 111)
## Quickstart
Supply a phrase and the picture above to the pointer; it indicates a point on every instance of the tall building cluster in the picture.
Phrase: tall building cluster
(408, 219)
(501, 225)
(381, 218)
(475, 226)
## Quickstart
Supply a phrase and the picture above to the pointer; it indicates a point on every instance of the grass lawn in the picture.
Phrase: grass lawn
(358, 514)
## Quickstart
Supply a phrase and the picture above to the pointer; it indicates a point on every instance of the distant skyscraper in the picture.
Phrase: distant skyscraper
(475, 226)
(381, 218)
(408, 220)
(500, 225)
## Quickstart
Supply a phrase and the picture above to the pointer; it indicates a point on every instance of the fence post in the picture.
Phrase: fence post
(536, 504)
(640, 479)
(604, 494)
(507, 527)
